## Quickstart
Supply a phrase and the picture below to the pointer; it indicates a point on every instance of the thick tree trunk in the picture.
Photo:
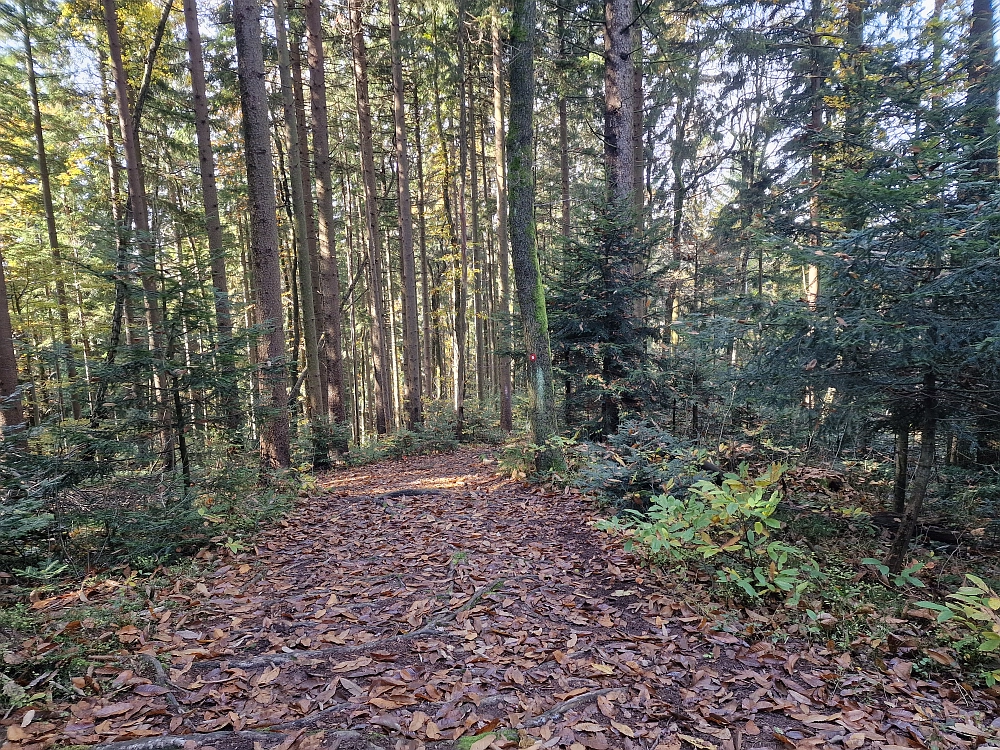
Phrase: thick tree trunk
(380, 353)
(918, 490)
(329, 271)
(11, 413)
(213, 224)
(412, 409)
(50, 216)
(981, 97)
(619, 84)
(274, 446)
(527, 276)
(506, 384)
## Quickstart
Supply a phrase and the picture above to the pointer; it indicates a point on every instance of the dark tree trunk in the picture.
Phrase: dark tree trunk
(925, 466)
(274, 445)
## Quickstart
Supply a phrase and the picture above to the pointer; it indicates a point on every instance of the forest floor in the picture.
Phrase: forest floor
(433, 603)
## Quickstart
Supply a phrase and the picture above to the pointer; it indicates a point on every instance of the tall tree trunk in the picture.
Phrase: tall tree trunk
(527, 276)
(213, 224)
(462, 271)
(412, 409)
(901, 468)
(506, 384)
(925, 466)
(274, 446)
(425, 267)
(11, 413)
(816, 165)
(296, 30)
(50, 215)
(380, 353)
(564, 216)
(329, 271)
(307, 307)
(140, 219)
(479, 266)
(619, 84)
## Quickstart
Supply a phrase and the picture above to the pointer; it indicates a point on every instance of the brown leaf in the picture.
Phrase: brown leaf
(115, 709)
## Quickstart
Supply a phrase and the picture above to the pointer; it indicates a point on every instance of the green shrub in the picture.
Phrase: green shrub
(730, 525)
(974, 616)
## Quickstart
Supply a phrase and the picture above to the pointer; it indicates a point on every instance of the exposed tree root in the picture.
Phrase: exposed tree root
(178, 742)
(429, 627)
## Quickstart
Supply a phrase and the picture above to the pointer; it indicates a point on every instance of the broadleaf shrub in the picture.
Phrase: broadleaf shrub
(729, 527)
(972, 615)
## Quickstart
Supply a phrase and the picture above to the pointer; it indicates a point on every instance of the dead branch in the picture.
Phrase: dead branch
(561, 708)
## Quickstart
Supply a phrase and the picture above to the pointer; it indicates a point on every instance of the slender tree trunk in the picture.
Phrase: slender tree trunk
(50, 216)
(925, 466)
(479, 267)
(329, 269)
(425, 268)
(213, 224)
(816, 165)
(296, 30)
(380, 353)
(307, 307)
(412, 408)
(274, 446)
(11, 413)
(901, 468)
(462, 271)
(527, 276)
(506, 384)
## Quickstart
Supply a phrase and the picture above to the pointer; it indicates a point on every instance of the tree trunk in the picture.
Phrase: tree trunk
(981, 96)
(527, 276)
(462, 261)
(816, 167)
(274, 446)
(479, 267)
(50, 216)
(11, 413)
(307, 307)
(425, 267)
(928, 425)
(619, 82)
(412, 408)
(380, 353)
(506, 384)
(213, 224)
(329, 271)
(901, 467)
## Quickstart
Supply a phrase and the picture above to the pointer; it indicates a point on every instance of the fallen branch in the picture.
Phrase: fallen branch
(568, 705)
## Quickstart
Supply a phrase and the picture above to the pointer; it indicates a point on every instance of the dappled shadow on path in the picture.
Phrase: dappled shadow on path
(428, 601)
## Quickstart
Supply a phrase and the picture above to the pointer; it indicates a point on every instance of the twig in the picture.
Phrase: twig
(568, 705)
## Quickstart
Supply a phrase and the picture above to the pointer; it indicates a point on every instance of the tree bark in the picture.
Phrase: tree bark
(506, 384)
(527, 276)
(901, 468)
(274, 445)
(462, 261)
(412, 408)
(329, 270)
(925, 466)
(380, 353)
(981, 97)
(213, 224)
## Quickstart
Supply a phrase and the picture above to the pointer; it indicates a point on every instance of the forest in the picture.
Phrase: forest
(726, 270)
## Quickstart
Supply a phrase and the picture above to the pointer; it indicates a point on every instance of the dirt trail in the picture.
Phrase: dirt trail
(414, 603)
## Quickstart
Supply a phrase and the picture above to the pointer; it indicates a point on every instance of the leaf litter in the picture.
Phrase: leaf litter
(431, 603)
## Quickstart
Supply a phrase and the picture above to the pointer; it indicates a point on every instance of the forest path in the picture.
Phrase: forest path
(409, 604)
